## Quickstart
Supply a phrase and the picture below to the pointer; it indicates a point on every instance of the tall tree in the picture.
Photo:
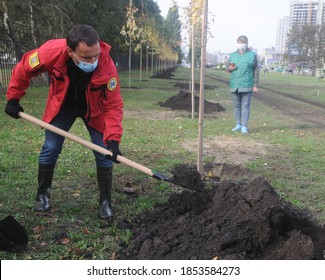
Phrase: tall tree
(46, 19)
(202, 75)
(132, 32)
(172, 31)
(306, 44)
(28, 24)
(150, 37)
(194, 19)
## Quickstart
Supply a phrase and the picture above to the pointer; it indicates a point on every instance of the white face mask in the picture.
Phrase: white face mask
(242, 46)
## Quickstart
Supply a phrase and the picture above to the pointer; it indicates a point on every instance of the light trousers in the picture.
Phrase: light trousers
(242, 107)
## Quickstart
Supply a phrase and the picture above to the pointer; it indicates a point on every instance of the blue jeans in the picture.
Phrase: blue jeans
(242, 106)
(53, 142)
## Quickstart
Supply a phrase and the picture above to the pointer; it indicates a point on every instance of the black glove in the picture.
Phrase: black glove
(13, 108)
(113, 146)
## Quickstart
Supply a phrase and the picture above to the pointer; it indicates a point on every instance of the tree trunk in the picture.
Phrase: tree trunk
(202, 72)
(193, 71)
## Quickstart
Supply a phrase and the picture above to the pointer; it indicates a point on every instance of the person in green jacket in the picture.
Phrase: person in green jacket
(243, 66)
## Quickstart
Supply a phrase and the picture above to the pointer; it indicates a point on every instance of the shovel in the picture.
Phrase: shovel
(196, 182)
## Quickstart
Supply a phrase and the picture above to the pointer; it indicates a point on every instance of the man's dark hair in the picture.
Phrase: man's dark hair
(82, 33)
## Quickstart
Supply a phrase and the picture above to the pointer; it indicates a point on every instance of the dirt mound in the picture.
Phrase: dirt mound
(183, 101)
(187, 177)
(229, 220)
(185, 86)
(165, 74)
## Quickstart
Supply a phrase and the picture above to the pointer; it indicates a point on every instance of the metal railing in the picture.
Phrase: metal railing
(7, 62)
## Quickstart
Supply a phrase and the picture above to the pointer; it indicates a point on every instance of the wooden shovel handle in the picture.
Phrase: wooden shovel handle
(84, 142)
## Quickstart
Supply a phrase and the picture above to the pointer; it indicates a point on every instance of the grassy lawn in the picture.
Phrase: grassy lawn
(154, 136)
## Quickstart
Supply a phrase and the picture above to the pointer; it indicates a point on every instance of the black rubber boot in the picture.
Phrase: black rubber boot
(45, 175)
(105, 181)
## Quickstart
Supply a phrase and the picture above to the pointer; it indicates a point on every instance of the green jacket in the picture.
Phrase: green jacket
(246, 74)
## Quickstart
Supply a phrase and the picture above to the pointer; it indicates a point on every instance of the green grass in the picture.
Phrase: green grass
(154, 137)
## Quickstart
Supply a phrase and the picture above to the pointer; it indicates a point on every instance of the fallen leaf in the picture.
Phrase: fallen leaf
(76, 193)
(64, 241)
(38, 229)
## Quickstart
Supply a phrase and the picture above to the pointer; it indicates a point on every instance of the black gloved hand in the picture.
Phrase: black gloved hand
(13, 108)
(113, 146)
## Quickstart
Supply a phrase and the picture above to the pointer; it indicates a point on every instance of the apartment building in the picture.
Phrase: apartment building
(281, 34)
(301, 13)
(307, 12)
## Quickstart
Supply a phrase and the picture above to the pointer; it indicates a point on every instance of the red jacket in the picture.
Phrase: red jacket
(104, 101)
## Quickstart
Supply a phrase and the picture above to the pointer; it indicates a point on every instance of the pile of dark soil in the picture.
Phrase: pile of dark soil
(228, 220)
(165, 74)
(185, 86)
(187, 176)
(183, 101)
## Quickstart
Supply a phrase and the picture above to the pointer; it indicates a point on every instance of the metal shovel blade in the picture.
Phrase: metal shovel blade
(184, 176)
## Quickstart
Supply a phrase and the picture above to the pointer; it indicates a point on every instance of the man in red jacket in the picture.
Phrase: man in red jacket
(85, 84)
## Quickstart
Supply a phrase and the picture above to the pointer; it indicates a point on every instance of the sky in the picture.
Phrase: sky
(228, 19)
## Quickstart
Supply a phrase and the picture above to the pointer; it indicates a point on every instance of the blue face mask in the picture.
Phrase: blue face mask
(87, 67)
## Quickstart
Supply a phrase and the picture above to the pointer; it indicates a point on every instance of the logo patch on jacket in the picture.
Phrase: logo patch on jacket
(112, 84)
(34, 60)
